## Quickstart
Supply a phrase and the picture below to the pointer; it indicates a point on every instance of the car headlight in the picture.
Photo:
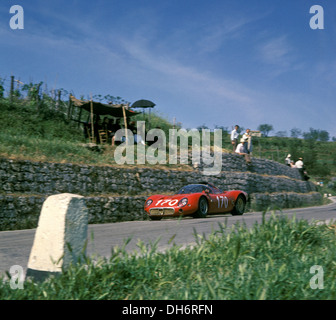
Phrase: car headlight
(183, 202)
(148, 203)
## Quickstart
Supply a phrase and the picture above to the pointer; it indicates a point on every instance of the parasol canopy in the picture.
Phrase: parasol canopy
(143, 104)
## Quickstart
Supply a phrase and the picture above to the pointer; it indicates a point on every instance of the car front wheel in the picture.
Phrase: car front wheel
(203, 208)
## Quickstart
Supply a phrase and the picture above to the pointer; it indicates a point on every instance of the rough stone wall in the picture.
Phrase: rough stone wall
(48, 178)
(118, 193)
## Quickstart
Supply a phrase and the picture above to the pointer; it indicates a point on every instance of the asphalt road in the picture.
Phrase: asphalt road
(15, 246)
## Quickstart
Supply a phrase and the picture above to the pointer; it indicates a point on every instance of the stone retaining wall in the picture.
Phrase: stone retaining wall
(49, 178)
(22, 212)
(118, 193)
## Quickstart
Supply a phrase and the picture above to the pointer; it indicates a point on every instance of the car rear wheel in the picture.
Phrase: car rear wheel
(239, 207)
(203, 208)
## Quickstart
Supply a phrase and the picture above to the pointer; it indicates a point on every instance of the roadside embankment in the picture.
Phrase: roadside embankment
(118, 193)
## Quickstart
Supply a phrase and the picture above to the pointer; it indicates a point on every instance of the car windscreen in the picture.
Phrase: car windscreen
(192, 188)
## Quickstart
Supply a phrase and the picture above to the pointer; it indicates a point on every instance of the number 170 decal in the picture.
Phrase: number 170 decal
(169, 202)
(222, 201)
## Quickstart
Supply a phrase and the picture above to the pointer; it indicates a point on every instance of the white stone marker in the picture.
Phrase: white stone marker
(63, 224)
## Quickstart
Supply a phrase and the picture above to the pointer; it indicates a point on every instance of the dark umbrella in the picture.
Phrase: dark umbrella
(143, 104)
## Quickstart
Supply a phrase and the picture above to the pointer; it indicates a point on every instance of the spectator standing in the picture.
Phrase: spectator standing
(234, 137)
(248, 141)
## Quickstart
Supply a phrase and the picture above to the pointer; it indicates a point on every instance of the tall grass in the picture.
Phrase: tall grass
(270, 261)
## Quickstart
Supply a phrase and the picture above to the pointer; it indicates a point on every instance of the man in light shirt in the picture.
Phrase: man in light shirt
(248, 141)
(234, 137)
(300, 166)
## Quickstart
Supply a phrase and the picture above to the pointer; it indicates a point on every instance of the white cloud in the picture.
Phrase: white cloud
(278, 55)
(193, 80)
(276, 51)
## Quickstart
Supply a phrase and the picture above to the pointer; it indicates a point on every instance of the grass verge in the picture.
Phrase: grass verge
(270, 261)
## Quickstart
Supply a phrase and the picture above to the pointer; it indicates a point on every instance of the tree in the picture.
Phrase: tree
(33, 90)
(281, 134)
(316, 134)
(224, 129)
(203, 126)
(324, 135)
(2, 89)
(295, 132)
(313, 134)
(265, 129)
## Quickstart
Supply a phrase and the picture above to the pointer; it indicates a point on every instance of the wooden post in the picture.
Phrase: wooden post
(149, 118)
(58, 99)
(125, 123)
(92, 125)
(80, 116)
(69, 108)
(11, 93)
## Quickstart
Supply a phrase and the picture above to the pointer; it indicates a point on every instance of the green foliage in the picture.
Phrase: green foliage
(272, 261)
(36, 130)
(316, 134)
(33, 124)
(318, 156)
(265, 129)
(20, 119)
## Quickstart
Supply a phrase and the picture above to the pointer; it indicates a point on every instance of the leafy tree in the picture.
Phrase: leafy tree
(33, 90)
(295, 132)
(316, 134)
(265, 129)
(295, 145)
(203, 126)
(224, 129)
(313, 134)
(2, 89)
(109, 99)
(281, 134)
(324, 135)
(310, 153)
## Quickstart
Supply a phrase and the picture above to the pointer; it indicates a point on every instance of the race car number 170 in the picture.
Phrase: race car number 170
(169, 202)
(222, 201)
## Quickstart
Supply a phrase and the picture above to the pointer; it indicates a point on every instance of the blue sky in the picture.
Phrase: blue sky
(212, 62)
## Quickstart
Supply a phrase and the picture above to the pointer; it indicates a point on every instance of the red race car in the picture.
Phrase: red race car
(197, 200)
